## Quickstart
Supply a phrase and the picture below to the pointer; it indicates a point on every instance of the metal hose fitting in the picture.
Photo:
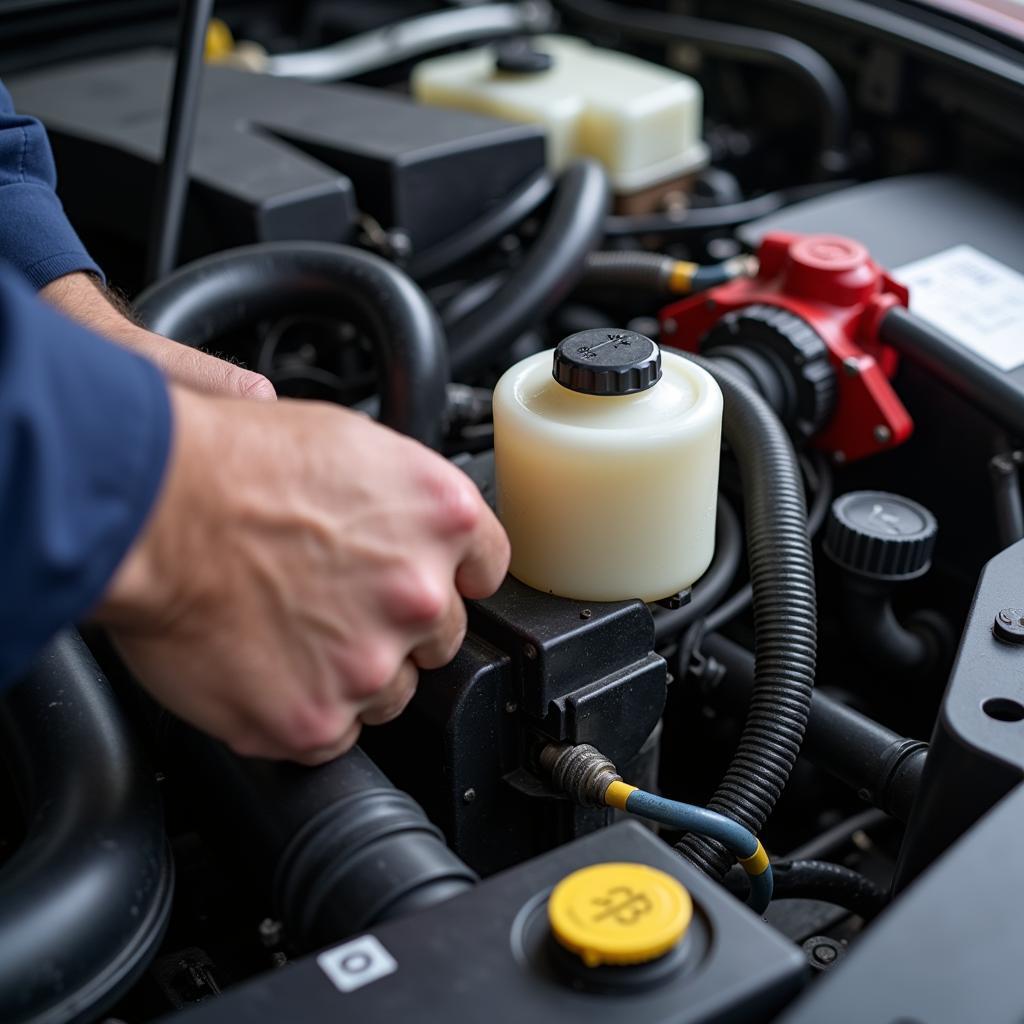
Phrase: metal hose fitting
(582, 771)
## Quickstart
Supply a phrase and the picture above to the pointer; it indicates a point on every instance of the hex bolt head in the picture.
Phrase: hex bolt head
(1009, 625)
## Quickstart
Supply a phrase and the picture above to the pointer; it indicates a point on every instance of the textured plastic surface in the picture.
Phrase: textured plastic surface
(601, 362)
(607, 498)
(881, 536)
(642, 121)
(833, 285)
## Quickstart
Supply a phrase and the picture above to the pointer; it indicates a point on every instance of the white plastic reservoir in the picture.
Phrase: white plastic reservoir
(607, 453)
(641, 120)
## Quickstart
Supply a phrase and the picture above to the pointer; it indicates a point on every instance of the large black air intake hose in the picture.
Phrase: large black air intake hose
(785, 616)
(234, 289)
(344, 849)
(85, 898)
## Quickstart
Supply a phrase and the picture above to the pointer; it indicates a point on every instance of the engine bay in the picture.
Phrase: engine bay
(721, 307)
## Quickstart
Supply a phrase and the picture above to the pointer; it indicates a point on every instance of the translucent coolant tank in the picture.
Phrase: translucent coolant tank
(640, 119)
(606, 452)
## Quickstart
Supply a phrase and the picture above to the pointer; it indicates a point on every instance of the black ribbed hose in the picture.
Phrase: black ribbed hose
(336, 848)
(821, 880)
(785, 617)
(552, 268)
(233, 289)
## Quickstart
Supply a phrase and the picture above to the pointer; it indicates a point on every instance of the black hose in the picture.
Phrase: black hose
(912, 651)
(820, 502)
(836, 838)
(85, 899)
(484, 231)
(742, 43)
(821, 880)
(1004, 471)
(715, 218)
(715, 582)
(880, 765)
(644, 271)
(983, 384)
(234, 289)
(546, 276)
(785, 617)
(338, 848)
(172, 180)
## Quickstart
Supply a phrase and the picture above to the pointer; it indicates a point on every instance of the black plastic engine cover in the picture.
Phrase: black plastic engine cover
(483, 957)
(274, 158)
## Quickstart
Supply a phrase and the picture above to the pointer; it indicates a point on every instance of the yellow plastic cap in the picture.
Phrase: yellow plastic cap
(619, 913)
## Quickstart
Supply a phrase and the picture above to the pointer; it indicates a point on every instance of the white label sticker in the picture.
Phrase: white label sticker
(973, 298)
(357, 963)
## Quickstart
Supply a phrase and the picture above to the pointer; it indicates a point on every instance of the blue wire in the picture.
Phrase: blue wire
(690, 818)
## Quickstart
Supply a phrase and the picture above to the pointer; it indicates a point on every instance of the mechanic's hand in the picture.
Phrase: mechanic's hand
(301, 564)
(80, 297)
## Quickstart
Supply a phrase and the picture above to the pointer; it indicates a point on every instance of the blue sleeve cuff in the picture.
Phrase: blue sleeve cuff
(85, 435)
(36, 236)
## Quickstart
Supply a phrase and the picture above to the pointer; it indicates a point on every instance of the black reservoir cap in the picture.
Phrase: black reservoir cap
(880, 536)
(607, 362)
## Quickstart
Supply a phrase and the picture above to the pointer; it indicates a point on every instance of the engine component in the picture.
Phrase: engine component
(785, 617)
(409, 39)
(274, 159)
(489, 954)
(534, 669)
(555, 262)
(830, 292)
(600, 459)
(943, 941)
(971, 252)
(206, 299)
(661, 275)
(589, 777)
(86, 897)
(344, 849)
(976, 734)
(739, 42)
(877, 763)
(880, 540)
(641, 120)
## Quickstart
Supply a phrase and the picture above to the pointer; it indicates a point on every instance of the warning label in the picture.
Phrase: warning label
(973, 298)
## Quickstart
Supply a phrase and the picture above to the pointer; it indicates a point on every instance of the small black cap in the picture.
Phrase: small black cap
(519, 56)
(880, 536)
(607, 362)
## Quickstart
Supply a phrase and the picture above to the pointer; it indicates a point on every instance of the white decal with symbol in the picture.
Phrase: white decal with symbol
(357, 963)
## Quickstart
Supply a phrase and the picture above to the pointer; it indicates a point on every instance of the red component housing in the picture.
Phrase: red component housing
(833, 284)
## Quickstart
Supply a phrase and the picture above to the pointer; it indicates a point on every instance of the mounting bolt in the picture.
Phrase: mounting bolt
(529, 651)
(511, 707)
(883, 435)
(585, 613)
(1009, 625)
(822, 952)
(270, 933)
(469, 796)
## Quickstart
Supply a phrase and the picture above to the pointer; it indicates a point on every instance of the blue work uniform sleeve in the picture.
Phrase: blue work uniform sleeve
(85, 432)
(35, 235)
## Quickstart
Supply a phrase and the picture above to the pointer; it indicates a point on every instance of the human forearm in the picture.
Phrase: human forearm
(82, 298)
